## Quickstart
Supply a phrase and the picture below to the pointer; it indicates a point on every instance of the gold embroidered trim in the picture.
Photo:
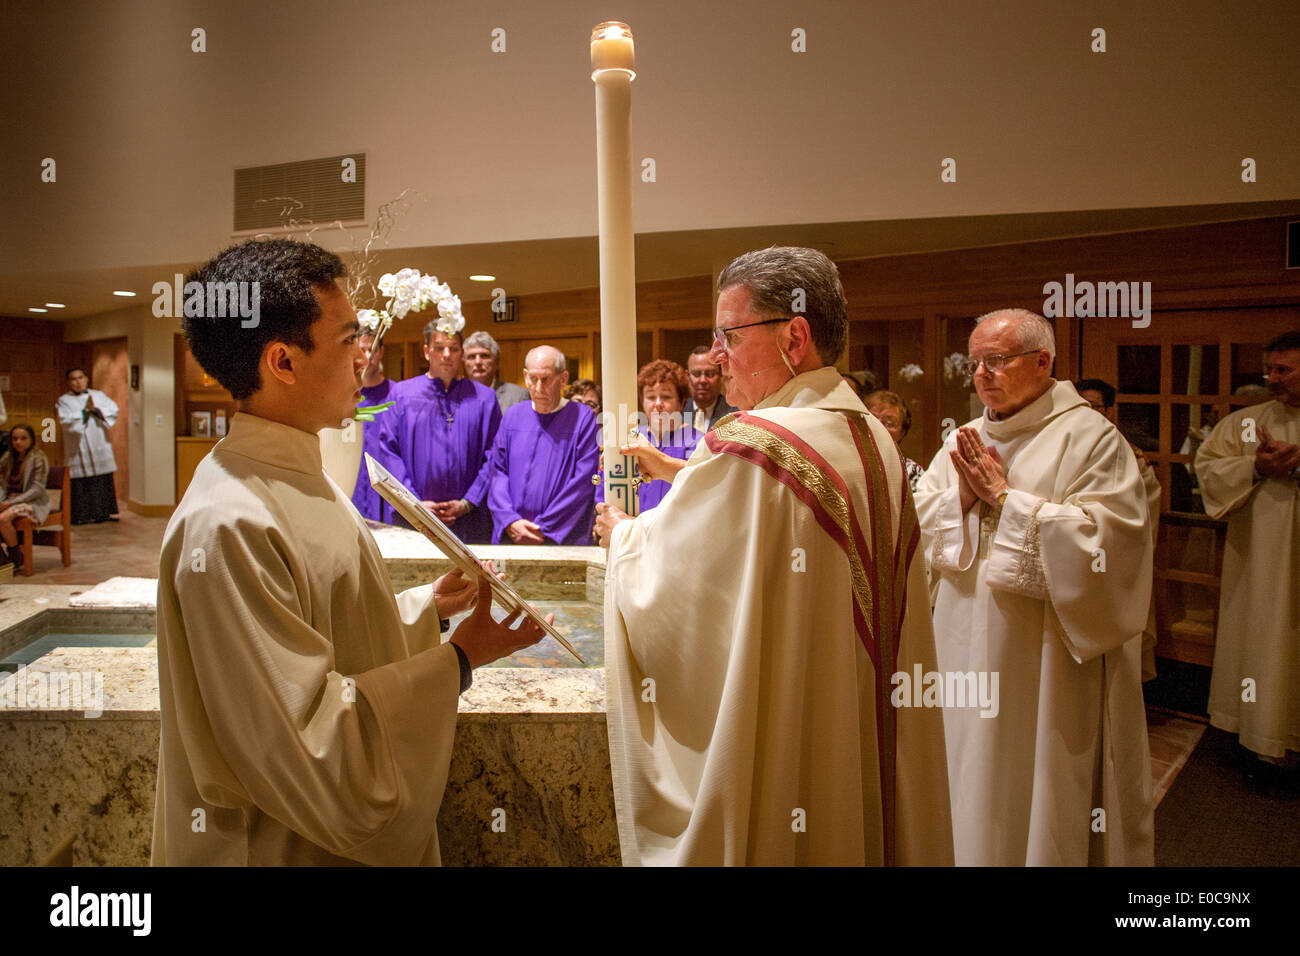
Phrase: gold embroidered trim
(1030, 579)
(892, 585)
(884, 545)
(784, 455)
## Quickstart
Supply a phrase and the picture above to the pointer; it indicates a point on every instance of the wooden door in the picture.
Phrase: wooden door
(106, 362)
(1175, 380)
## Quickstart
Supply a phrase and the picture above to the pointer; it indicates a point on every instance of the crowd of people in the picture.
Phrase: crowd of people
(837, 671)
(509, 465)
(526, 477)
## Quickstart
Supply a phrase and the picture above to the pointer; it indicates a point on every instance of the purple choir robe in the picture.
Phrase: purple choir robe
(678, 444)
(441, 460)
(541, 470)
(364, 496)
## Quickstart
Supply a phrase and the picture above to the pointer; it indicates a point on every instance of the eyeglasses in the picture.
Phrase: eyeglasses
(704, 373)
(726, 343)
(994, 363)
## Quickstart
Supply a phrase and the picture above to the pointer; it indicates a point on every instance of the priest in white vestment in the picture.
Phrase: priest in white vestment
(1249, 471)
(1035, 524)
(307, 713)
(757, 620)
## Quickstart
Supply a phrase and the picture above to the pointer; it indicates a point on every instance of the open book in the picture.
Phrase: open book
(422, 519)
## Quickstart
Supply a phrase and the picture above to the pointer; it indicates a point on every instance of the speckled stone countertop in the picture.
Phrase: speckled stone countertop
(130, 674)
(542, 692)
(21, 601)
(119, 683)
(540, 573)
(403, 543)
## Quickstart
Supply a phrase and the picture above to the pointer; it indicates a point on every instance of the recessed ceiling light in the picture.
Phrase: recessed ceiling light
(38, 310)
(483, 278)
(54, 305)
(120, 292)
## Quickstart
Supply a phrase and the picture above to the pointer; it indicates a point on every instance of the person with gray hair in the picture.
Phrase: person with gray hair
(1036, 528)
(545, 454)
(482, 362)
(767, 604)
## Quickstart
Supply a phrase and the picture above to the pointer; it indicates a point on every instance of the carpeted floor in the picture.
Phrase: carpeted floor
(1212, 816)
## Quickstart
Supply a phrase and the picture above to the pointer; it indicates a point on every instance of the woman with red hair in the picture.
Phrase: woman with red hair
(663, 388)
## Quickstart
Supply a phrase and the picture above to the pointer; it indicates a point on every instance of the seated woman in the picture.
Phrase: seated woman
(23, 470)
(894, 414)
(663, 387)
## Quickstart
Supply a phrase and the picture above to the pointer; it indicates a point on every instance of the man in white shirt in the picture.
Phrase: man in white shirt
(706, 406)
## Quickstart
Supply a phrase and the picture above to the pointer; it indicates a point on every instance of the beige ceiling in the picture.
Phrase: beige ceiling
(838, 146)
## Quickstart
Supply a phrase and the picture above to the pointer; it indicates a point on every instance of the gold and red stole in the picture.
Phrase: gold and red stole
(878, 573)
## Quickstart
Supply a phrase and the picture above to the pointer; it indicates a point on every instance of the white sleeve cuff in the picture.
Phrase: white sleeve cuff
(956, 535)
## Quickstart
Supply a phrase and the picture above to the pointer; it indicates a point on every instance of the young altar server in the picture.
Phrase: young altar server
(757, 620)
(1035, 523)
(307, 713)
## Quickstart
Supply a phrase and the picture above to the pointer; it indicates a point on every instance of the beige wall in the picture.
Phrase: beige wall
(149, 413)
(499, 147)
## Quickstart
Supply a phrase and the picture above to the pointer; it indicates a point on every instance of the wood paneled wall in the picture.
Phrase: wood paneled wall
(668, 312)
(33, 357)
(929, 300)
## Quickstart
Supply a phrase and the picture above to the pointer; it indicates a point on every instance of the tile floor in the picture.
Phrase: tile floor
(127, 548)
(1172, 739)
(130, 547)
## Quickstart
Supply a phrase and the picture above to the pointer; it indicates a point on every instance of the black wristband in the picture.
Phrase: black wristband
(466, 672)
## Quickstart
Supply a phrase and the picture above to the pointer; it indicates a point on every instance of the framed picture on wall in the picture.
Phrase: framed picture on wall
(201, 424)
(219, 423)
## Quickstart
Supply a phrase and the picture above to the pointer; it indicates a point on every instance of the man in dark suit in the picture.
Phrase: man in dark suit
(706, 405)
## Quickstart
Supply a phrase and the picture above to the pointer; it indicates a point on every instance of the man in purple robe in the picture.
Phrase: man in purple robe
(545, 455)
(437, 438)
(375, 389)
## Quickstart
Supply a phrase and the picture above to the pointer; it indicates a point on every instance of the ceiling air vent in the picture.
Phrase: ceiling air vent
(313, 190)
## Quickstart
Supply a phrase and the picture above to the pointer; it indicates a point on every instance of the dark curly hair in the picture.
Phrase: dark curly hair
(287, 273)
(662, 371)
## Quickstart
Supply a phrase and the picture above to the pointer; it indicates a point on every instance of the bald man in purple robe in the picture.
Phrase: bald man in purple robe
(546, 453)
(437, 439)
